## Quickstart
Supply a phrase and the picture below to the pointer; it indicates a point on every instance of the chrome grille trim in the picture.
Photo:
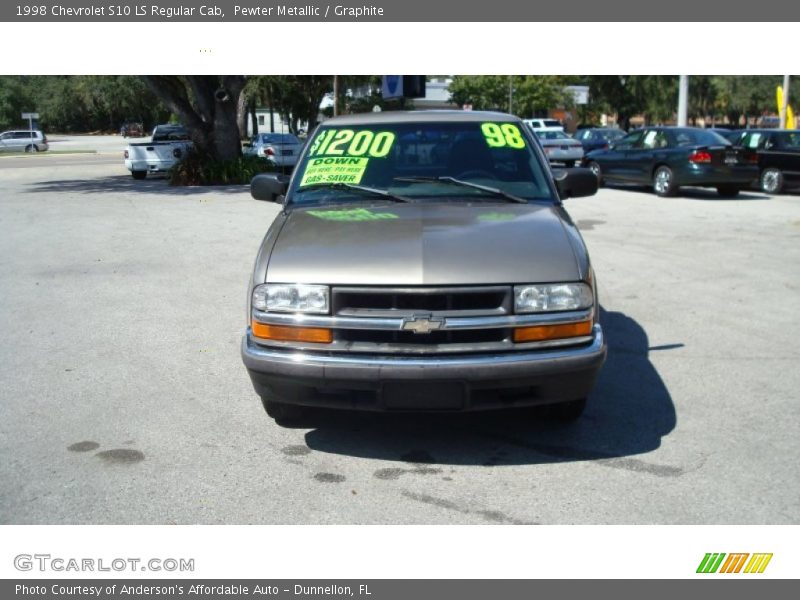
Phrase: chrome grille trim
(395, 324)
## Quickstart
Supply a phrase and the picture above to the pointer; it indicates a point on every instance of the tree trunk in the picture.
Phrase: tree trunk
(207, 106)
(253, 117)
(271, 111)
(241, 115)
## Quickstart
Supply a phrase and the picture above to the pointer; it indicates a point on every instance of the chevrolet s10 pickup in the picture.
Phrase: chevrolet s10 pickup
(423, 261)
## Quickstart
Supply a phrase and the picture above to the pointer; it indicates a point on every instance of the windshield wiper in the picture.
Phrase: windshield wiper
(454, 181)
(355, 187)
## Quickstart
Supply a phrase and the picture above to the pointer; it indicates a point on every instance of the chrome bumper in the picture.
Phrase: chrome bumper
(468, 367)
(360, 381)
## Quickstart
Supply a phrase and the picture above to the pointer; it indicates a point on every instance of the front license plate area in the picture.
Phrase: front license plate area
(414, 395)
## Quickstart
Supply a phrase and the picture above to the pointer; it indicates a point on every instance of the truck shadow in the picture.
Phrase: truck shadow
(628, 414)
(126, 183)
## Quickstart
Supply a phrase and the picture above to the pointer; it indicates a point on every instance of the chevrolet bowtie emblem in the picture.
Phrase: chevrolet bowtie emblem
(422, 324)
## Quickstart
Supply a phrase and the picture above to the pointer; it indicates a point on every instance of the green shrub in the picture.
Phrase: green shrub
(202, 170)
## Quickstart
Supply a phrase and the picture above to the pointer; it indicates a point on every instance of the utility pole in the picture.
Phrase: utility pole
(784, 108)
(683, 101)
(335, 95)
(510, 93)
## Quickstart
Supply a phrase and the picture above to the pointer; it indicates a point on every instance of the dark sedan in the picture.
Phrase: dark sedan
(598, 138)
(670, 157)
(778, 157)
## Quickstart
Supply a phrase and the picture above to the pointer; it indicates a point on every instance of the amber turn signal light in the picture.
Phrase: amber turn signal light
(541, 333)
(282, 333)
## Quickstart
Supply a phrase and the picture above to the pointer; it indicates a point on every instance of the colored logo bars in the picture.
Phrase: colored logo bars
(733, 563)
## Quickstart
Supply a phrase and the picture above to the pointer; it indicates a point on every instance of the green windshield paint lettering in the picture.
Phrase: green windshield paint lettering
(493, 134)
(381, 144)
(494, 217)
(341, 139)
(501, 136)
(317, 141)
(355, 214)
(347, 142)
(361, 143)
(325, 139)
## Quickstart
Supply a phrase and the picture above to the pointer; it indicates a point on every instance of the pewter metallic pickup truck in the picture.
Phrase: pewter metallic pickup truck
(423, 262)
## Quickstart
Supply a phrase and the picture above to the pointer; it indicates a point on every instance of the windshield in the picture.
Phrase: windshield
(431, 161)
(552, 135)
(279, 138)
(699, 137)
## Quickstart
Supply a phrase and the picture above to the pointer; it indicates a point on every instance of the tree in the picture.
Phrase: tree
(654, 96)
(207, 106)
(531, 93)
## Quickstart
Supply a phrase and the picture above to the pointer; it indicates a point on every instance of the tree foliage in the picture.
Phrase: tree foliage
(78, 103)
(531, 94)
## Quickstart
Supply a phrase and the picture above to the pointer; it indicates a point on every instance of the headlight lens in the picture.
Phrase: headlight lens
(291, 298)
(552, 297)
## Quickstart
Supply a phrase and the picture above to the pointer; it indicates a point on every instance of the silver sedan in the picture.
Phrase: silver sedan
(560, 148)
(281, 149)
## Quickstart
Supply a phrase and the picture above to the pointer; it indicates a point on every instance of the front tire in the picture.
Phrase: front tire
(567, 412)
(728, 191)
(664, 182)
(771, 181)
(281, 411)
(138, 174)
(594, 167)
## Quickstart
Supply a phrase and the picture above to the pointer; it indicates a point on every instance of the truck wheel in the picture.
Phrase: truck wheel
(771, 181)
(138, 174)
(664, 182)
(281, 411)
(567, 411)
(728, 191)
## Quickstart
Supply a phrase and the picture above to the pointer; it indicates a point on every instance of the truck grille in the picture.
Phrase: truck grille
(435, 302)
(402, 302)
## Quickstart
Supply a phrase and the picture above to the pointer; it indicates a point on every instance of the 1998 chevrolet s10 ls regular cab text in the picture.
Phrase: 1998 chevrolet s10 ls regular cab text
(423, 261)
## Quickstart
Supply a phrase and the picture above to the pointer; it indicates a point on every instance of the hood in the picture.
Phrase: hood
(423, 244)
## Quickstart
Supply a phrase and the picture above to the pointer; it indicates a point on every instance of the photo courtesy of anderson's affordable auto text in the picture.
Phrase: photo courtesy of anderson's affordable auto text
(246, 299)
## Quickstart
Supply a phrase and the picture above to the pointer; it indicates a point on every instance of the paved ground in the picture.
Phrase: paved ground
(124, 399)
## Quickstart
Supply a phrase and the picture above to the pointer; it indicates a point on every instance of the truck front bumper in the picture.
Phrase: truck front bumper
(413, 382)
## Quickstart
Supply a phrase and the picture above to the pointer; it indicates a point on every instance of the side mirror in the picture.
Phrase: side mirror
(575, 183)
(269, 186)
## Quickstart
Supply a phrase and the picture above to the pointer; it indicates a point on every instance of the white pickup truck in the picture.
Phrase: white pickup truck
(169, 145)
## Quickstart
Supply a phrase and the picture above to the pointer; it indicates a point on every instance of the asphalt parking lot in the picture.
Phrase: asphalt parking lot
(124, 399)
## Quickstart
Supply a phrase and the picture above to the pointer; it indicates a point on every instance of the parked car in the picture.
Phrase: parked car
(23, 140)
(544, 124)
(281, 149)
(670, 157)
(560, 148)
(734, 136)
(131, 129)
(596, 138)
(778, 157)
(447, 280)
(169, 145)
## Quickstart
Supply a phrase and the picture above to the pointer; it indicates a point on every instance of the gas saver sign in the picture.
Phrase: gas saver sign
(334, 169)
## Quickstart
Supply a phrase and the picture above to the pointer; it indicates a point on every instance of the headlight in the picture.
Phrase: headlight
(291, 298)
(552, 297)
